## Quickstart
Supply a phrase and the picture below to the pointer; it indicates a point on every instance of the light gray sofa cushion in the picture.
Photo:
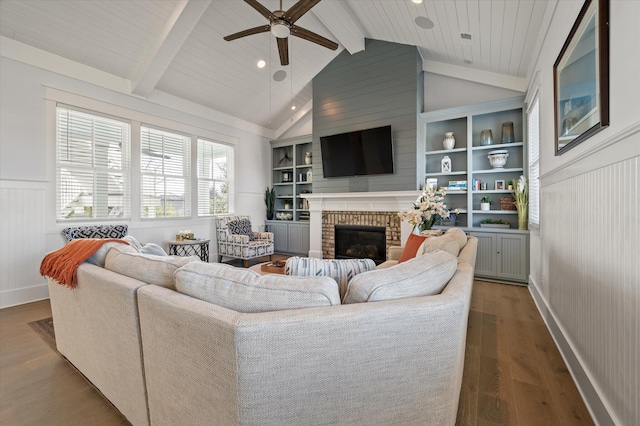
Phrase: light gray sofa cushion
(458, 235)
(452, 241)
(444, 243)
(243, 290)
(421, 276)
(147, 268)
(341, 270)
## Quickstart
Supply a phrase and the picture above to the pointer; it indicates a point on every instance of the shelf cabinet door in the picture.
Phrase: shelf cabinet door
(512, 257)
(502, 256)
(486, 257)
(299, 238)
(280, 237)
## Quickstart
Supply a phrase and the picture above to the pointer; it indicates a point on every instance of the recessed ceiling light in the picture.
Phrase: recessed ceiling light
(261, 63)
(424, 22)
(417, 1)
(293, 107)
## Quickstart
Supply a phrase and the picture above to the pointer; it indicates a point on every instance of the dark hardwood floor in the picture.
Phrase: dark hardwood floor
(513, 374)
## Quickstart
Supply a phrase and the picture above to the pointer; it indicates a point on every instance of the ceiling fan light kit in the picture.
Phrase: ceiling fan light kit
(281, 25)
(280, 28)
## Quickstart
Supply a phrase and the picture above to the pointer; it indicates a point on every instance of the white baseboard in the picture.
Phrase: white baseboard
(590, 395)
(23, 295)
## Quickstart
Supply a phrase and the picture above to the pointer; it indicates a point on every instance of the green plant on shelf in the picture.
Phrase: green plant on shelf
(486, 199)
(270, 201)
(495, 222)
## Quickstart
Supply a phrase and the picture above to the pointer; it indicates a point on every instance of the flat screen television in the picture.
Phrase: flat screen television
(361, 153)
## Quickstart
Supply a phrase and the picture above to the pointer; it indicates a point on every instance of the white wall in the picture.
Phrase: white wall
(442, 92)
(302, 127)
(585, 272)
(27, 179)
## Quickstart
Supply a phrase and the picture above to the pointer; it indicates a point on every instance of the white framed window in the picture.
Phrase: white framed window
(215, 178)
(164, 174)
(92, 166)
(533, 126)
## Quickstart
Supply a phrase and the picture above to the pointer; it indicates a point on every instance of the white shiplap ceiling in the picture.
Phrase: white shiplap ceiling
(176, 46)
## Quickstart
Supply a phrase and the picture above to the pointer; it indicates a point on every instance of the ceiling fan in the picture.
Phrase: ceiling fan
(281, 25)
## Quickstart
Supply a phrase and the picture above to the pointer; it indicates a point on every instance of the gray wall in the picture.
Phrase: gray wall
(377, 87)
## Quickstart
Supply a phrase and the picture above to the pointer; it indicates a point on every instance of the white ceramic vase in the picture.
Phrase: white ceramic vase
(307, 158)
(485, 206)
(449, 141)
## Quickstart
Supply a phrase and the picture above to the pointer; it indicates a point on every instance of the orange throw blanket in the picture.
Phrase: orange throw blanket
(62, 265)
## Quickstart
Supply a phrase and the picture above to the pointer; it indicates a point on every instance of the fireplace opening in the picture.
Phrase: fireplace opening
(360, 242)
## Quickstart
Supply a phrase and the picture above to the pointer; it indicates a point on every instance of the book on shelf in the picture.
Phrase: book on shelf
(457, 185)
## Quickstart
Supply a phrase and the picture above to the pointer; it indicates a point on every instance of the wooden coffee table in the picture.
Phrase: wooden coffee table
(271, 267)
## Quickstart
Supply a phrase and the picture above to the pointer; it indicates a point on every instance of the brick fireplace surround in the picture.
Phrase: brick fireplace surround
(356, 208)
(389, 220)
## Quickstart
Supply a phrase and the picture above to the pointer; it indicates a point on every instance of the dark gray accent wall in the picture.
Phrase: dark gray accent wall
(380, 86)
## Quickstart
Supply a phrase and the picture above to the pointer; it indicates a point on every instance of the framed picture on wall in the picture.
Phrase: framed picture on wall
(581, 78)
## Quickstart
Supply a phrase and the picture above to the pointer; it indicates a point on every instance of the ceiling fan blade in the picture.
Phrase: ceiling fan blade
(313, 37)
(261, 9)
(296, 11)
(250, 31)
(283, 50)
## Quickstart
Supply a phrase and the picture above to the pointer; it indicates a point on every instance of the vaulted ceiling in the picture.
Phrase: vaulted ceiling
(177, 46)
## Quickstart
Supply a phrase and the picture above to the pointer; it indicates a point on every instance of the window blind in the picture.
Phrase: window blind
(164, 173)
(534, 162)
(215, 178)
(92, 166)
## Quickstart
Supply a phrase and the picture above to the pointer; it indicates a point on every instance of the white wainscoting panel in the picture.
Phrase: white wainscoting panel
(22, 226)
(591, 235)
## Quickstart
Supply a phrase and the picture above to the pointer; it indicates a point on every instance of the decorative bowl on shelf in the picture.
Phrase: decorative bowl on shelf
(498, 158)
(284, 216)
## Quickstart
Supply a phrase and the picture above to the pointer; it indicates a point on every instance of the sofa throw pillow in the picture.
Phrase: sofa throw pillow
(149, 248)
(243, 290)
(341, 270)
(411, 247)
(133, 242)
(421, 276)
(98, 258)
(147, 268)
(95, 231)
(241, 227)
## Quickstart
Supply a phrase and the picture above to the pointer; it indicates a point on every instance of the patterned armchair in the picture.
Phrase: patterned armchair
(242, 243)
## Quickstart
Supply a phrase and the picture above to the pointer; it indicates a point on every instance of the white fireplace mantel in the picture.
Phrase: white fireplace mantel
(384, 201)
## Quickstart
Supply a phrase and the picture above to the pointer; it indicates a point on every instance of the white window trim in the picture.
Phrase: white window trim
(187, 174)
(533, 100)
(53, 96)
(231, 180)
(125, 168)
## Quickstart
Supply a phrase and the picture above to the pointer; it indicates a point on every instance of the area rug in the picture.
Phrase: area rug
(44, 329)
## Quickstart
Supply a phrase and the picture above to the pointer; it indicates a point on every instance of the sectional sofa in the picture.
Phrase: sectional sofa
(271, 350)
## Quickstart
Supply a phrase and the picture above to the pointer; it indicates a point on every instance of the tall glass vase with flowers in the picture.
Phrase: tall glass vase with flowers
(521, 194)
(427, 210)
